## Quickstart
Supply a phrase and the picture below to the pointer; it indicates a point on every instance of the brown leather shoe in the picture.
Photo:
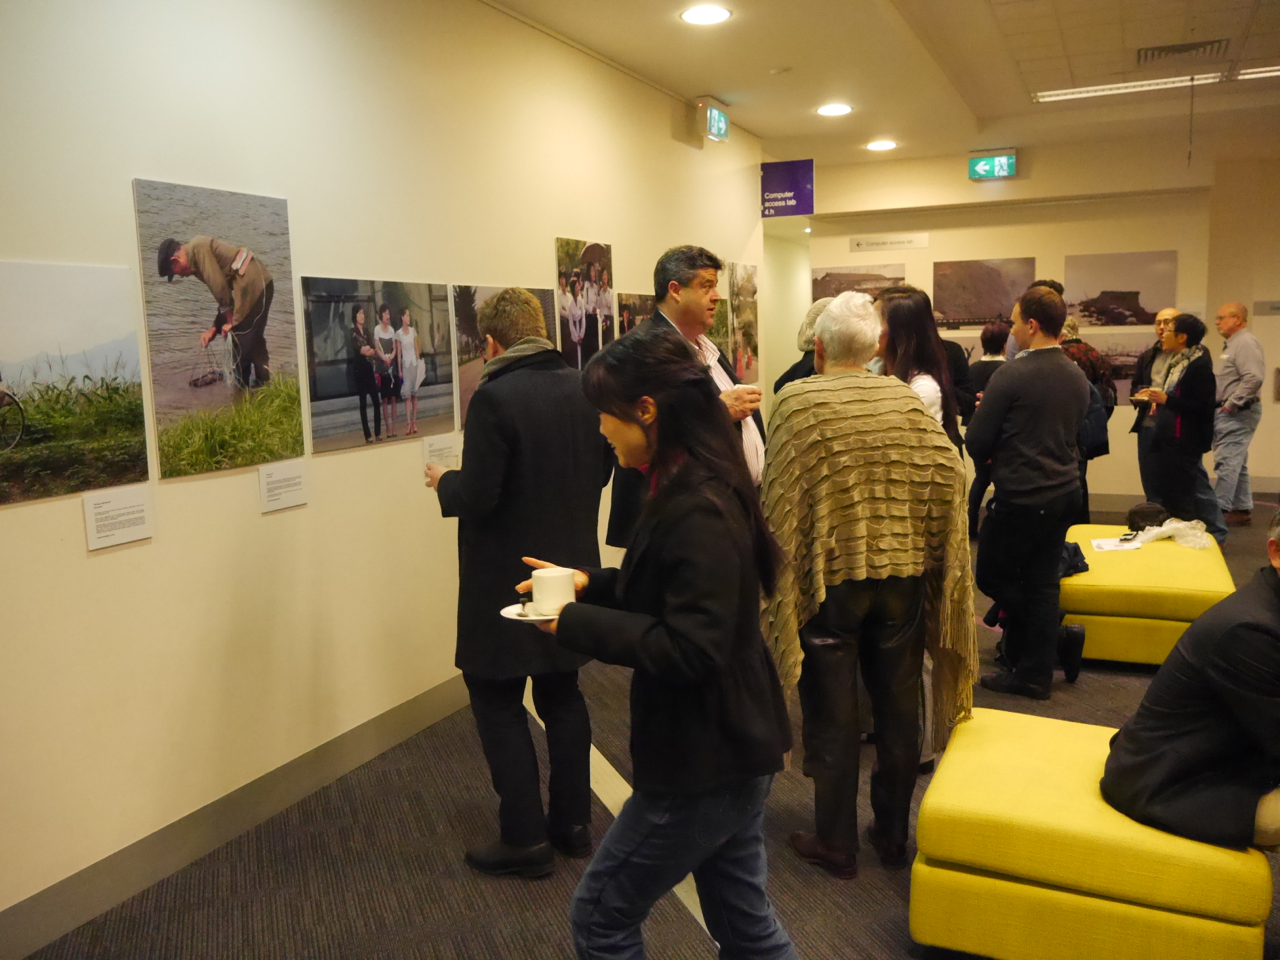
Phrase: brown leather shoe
(843, 866)
(1237, 518)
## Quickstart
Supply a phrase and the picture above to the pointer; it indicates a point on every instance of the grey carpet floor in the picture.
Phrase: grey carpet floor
(370, 868)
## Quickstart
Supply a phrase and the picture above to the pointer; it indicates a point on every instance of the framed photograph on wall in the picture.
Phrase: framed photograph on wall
(217, 285)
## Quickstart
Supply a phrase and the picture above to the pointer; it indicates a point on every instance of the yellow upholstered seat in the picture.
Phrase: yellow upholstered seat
(1135, 604)
(1018, 848)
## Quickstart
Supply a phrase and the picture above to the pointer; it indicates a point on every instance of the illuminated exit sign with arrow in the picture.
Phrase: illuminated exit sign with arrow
(998, 166)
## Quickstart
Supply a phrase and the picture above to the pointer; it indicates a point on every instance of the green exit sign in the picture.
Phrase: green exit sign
(717, 124)
(1000, 166)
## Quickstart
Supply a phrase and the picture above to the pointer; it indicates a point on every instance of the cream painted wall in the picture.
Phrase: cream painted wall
(1048, 232)
(785, 297)
(1050, 172)
(1244, 264)
(439, 141)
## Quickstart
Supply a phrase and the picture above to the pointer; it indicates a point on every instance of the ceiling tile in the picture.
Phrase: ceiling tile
(1154, 31)
(1093, 39)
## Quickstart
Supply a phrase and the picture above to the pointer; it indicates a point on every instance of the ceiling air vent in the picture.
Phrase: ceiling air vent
(1200, 50)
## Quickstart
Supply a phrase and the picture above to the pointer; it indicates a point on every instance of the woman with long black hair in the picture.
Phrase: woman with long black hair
(708, 720)
(913, 352)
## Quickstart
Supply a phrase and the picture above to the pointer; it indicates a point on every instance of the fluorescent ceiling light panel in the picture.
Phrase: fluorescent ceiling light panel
(835, 109)
(1257, 73)
(1137, 86)
(881, 145)
(705, 14)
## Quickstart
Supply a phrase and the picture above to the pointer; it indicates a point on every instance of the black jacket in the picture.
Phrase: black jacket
(1204, 745)
(629, 485)
(958, 367)
(980, 372)
(684, 611)
(1141, 380)
(533, 466)
(800, 370)
(1185, 422)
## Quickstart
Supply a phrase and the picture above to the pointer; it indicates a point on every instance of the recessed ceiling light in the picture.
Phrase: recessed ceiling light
(1137, 86)
(705, 14)
(835, 109)
(808, 229)
(881, 145)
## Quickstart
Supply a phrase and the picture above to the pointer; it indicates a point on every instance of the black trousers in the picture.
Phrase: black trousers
(1175, 479)
(367, 388)
(503, 722)
(1082, 512)
(978, 490)
(880, 624)
(1019, 554)
(249, 341)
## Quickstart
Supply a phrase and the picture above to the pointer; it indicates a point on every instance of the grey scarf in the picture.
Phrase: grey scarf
(1178, 366)
(521, 348)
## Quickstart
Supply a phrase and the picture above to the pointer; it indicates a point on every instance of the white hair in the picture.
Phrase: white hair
(849, 329)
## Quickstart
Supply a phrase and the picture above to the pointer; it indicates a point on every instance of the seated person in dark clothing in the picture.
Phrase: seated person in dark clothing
(803, 368)
(1182, 401)
(1201, 757)
(994, 336)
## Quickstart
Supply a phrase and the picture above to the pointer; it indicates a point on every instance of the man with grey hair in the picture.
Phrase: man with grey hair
(867, 497)
(1201, 756)
(1241, 369)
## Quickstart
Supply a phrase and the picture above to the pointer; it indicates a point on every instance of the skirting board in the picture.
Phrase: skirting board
(45, 916)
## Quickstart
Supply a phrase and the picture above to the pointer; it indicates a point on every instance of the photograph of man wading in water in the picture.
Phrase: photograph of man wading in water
(220, 327)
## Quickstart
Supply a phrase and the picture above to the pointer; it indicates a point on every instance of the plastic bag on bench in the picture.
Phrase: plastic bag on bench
(1188, 533)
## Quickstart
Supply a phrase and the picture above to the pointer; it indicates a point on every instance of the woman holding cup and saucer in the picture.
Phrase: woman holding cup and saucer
(708, 721)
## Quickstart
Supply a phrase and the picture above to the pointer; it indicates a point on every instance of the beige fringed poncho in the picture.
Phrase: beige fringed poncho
(861, 482)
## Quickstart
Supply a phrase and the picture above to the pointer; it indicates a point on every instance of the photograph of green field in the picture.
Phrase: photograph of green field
(71, 411)
(222, 336)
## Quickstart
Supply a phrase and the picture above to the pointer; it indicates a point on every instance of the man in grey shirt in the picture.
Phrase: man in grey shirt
(1241, 369)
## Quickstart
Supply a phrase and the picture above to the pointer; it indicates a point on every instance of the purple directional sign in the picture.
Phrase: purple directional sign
(786, 189)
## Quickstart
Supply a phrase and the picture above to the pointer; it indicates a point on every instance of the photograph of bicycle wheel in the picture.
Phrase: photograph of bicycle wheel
(71, 410)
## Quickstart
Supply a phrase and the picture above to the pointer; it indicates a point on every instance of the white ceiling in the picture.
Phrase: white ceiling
(938, 76)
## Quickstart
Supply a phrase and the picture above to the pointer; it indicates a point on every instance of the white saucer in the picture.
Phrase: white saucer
(513, 612)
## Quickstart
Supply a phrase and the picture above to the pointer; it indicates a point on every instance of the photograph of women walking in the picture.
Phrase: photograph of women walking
(218, 296)
(379, 360)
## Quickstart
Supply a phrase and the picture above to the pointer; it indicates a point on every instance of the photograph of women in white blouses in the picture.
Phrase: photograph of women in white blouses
(584, 298)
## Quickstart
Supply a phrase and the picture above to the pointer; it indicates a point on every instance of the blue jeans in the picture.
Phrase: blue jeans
(656, 841)
(1232, 433)
(1207, 508)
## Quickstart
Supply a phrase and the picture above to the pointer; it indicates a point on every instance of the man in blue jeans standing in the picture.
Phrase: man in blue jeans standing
(1241, 369)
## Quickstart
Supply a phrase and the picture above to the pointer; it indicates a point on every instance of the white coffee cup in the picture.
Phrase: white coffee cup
(552, 589)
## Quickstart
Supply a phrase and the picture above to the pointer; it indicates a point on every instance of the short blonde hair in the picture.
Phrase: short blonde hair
(510, 315)
(1070, 329)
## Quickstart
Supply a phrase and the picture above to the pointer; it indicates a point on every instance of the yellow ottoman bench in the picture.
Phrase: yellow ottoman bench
(1020, 858)
(1135, 604)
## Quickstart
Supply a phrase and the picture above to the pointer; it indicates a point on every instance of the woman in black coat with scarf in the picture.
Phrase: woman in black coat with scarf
(1184, 403)
(708, 721)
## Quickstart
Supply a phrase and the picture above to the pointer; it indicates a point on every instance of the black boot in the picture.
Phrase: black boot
(574, 842)
(503, 860)
(1070, 650)
(1006, 682)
